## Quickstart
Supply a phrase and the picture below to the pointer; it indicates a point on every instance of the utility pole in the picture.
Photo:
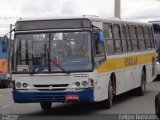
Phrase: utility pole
(9, 49)
(117, 9)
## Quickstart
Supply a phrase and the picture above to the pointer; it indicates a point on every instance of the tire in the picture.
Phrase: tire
(157, 107)
(46, 106)
(142, 89)
(107, 104)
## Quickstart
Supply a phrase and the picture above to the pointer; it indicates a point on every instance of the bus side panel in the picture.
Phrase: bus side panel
(123, 80)
(101, 87)
(128, 71)
(137, 76)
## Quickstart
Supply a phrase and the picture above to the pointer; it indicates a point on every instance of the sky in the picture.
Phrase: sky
(11, 10)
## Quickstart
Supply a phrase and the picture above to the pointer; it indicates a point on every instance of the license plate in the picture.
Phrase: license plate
(72, 97)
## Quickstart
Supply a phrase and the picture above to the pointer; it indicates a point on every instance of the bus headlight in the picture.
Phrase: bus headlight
(25, 85)
(18, 85)
(77, 84)
(84, 83)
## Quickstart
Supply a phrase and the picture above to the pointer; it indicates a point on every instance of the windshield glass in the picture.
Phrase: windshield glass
(53, 52)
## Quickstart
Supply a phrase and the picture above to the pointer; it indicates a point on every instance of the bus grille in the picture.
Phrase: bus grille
(54, 97)
(55, 87)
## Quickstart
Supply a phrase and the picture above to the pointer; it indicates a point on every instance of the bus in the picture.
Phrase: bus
(81, 59)
(5, 78)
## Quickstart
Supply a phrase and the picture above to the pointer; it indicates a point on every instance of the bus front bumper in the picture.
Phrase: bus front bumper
(26, 96)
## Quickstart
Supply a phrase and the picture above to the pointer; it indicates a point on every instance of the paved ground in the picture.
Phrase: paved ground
(123, 105)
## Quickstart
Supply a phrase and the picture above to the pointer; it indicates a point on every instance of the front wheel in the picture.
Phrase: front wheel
(107, 104)
(110, 94)
(46, 106)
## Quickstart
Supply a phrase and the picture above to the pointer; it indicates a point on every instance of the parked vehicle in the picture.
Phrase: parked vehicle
(5, 77)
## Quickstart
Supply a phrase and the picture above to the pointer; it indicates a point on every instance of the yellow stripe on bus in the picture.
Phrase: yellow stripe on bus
(112, 64)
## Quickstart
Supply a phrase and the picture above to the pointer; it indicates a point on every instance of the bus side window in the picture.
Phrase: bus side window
(124, 38)
(117, 37)
(109, 41)
(134, 38)
(141, 38)
(99, 48)
(4, 44)
(128, 36)
(147, 39)
(151, 37)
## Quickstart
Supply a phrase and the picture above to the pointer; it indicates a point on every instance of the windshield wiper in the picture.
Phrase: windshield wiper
(59, 66)
(39, 69)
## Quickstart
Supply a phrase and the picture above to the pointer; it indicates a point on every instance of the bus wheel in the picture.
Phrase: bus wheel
(141, 90)
(110, 94)
(46, 106)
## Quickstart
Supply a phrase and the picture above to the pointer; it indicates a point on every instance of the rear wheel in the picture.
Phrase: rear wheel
(142, 89)
(46, 106)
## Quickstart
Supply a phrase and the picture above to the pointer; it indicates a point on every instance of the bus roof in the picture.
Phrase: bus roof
(91, 18)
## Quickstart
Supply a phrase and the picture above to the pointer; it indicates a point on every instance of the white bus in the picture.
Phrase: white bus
(80, 60)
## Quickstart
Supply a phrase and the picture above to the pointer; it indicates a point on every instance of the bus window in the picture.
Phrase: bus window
(117, 36)
(134, 38)
(151, 37)
(100, 49)
(4, 44)
(32, 51)
(129, 43)
(140, 38)
(147, 39)
(109, 39)
(124, 38)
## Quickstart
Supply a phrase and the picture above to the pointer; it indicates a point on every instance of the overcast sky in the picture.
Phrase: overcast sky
(131, 9)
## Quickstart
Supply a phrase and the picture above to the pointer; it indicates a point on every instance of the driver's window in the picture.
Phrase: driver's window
(99, 46)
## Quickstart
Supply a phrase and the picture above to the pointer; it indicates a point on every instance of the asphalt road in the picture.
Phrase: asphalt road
(124, 105)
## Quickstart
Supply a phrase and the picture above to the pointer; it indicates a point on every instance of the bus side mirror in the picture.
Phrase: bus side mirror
(101, 37)
(4, 44)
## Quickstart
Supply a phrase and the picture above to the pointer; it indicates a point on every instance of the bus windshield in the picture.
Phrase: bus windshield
(53, 52)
